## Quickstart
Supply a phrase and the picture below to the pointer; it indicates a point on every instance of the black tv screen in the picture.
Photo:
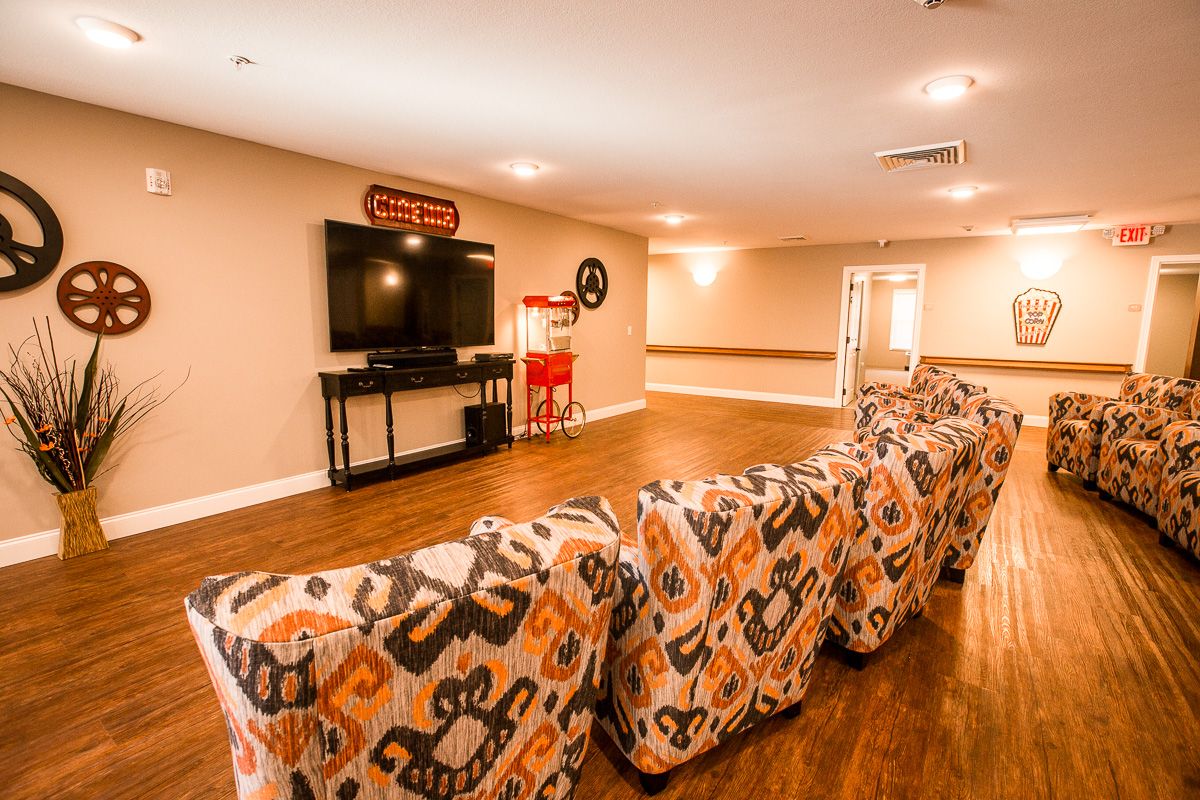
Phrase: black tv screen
(391, 289)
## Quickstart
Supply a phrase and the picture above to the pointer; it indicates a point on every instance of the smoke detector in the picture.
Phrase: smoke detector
(923, 156)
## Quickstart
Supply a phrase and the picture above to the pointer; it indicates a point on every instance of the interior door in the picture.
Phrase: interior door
(851, 369)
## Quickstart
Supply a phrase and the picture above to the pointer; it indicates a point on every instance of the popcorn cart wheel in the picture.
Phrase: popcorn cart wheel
(571, 420)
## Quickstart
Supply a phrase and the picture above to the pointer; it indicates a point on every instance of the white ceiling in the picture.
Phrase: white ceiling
(756, 119)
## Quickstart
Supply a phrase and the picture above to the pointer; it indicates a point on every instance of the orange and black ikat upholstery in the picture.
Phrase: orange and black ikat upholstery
(1002, 422)
(723, 602)
(1179, 492)
(467, 669)
(1073, 441)
(918, 481)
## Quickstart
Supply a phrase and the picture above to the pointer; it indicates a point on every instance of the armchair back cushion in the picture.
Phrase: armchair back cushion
(916, 487)
(1179, 498)
(723, 602)
(467, 669)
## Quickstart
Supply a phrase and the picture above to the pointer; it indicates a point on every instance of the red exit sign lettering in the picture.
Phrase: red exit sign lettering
(1126, 235)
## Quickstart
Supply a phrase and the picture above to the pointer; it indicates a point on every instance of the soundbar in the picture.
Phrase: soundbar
(414, 357)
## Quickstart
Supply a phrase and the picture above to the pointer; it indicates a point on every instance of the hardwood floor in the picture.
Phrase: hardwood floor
(1067, 665)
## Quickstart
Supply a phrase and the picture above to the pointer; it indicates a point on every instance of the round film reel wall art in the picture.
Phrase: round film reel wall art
(25, 263)
(103, 297)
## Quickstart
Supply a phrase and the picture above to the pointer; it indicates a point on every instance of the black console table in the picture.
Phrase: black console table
(342, 385)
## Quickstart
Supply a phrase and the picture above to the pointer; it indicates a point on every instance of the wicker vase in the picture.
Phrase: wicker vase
(81, 532)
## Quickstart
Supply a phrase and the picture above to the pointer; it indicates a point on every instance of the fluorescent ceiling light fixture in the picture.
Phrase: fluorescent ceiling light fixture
(1032, 226)
(106, 33)
(949, 87)
(704, 274)
(963, 192)
(524, 168)
(1040, 267)
(673, 219)
(901, 278)
(413, 241)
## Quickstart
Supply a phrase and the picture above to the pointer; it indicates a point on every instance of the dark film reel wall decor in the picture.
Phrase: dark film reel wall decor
(591, 281)
(116, 295)
(30, 263)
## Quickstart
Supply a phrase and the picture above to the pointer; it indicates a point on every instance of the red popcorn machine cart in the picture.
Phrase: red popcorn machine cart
(549, 362)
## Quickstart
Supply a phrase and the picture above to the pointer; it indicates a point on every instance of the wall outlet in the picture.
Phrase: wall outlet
(1135, 306)
(158, 181)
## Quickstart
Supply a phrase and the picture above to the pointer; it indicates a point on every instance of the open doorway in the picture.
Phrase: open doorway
(1171, 322)
(880, 326)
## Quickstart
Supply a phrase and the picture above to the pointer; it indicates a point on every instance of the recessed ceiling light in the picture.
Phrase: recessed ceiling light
(1031, 226)
(106, 33)
(673, 219)
(948, 88)
(963, 192)
(524, 168)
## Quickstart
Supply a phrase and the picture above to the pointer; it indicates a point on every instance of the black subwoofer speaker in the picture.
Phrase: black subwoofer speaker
(487, 425)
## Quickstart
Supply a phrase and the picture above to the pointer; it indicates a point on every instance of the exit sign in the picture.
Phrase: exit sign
(1126, 235)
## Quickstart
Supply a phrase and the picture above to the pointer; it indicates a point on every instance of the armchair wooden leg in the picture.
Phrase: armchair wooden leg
(856, 659)
(653, 783)
(1105, 496)
(792, 711)
(1165, 541)
(1051, 466)
(1089, 485)
(954, 574)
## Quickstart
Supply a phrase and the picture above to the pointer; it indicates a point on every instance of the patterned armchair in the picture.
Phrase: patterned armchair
(1131, 461)
(917, 485)
(1179, 495)
(466, 669)
(1073, 440)
(874, 398)
(945, 394)
(722, 605)
(1002, 421)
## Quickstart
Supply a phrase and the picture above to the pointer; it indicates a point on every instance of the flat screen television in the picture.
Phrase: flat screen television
(392, 289)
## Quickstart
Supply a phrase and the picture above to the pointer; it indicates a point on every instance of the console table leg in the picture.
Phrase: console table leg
(345, 442)
(329, 441)
(508, 402)
(391, 439)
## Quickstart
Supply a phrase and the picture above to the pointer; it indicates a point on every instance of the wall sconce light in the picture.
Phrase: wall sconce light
(704, 274)
(1040, 267)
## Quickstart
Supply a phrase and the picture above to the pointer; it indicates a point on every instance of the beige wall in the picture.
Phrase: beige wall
(1170, 327)
(235, 263)
(969, 287)
(877, 353)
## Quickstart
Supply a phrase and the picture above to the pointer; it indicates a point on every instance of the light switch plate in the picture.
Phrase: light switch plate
(158, 181)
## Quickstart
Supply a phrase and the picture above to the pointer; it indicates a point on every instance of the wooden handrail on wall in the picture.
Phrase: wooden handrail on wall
(1012, 363)
(741, 351)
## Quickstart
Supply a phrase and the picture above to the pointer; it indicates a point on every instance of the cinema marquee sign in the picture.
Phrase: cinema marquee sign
(411, 212)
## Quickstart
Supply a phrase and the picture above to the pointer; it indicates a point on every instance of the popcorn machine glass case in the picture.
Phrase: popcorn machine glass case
(548, 323)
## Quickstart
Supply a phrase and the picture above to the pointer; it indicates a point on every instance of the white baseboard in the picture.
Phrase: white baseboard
(741, 394)
(45, 543)
(1035, 421)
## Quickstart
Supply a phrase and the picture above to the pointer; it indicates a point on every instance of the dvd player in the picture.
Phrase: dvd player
(493, 356)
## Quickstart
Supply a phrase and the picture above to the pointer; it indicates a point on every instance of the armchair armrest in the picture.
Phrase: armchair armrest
(913, 422)
(1073, 405)
(1180, 448)
(878, 387)
(1129, 421)
(874, 406)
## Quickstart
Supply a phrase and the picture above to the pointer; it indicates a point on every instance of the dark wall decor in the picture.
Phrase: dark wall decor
(411, 212)
(1034, 314)
(591, 282)
(31, 262)
(94, 284)
(575, 309)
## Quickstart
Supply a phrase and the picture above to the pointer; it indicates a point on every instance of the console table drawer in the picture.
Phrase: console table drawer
(449, 377)
(361, 384)
(491, 371)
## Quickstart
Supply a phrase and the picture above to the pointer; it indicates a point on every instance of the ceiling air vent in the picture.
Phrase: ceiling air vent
(929, 155)
(797, 237)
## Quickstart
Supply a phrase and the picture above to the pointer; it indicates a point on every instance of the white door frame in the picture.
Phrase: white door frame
(1156, 264)
(843, 310)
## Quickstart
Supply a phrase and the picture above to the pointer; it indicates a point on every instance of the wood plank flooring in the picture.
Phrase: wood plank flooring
(1065, 666)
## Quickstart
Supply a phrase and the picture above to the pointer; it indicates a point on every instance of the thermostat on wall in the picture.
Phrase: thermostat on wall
(158, 181)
